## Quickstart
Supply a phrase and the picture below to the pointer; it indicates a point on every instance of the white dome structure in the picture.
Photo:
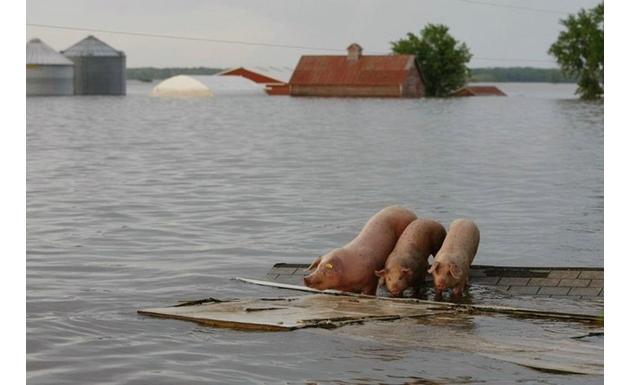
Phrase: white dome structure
(206, 85)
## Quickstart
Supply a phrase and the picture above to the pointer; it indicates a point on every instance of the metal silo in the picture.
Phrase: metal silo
(98, 68)
(47, 71)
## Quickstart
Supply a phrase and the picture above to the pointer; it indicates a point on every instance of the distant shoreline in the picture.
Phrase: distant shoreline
(478, 75)
(519, 75)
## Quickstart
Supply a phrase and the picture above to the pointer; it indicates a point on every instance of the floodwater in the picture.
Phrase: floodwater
(136, 202)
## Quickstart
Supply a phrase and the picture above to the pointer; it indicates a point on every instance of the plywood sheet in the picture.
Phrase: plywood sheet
(318, 310)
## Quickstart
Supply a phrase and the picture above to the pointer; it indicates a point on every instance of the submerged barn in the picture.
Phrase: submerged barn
(356, 74)
(99, 69)
(47, 71)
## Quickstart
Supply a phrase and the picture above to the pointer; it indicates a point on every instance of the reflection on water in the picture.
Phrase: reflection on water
(135, 201)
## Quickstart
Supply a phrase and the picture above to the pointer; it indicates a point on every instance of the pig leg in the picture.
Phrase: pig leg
(459, 289)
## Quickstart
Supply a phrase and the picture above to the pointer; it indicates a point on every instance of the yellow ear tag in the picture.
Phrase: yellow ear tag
(329, 266)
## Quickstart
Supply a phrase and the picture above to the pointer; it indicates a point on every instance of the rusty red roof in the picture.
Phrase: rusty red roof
(368, 70)
(479, 91)
(261, 74)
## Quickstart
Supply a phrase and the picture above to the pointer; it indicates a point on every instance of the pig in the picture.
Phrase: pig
(407, 264)
(451, 265)
(351, 267)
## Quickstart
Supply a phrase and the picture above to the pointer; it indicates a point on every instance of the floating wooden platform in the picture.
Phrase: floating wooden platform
(538, 348)
(542, 350)
(584, 284)
(278, 314)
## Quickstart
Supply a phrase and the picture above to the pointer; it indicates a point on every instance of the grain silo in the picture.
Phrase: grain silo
(47, 72)
(98, 68)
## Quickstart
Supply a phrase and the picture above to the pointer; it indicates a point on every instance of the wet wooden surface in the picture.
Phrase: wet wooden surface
(319, 310)
(538, 344)
(548, 338)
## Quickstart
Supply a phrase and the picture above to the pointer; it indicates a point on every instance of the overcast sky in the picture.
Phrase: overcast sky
(497, 36)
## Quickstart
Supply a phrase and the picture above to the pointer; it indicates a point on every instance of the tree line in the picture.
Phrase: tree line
(520, 74)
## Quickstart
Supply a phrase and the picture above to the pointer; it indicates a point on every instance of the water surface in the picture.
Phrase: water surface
(140, 202)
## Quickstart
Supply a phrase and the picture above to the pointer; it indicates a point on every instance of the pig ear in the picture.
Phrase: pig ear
(405, 271)
(379, 273)
(455, 270)
(434, 267)
(315, 263)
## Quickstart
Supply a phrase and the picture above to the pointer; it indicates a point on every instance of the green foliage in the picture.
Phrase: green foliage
(441, 58)
(520, 74)
(580, 50)
(151, 73)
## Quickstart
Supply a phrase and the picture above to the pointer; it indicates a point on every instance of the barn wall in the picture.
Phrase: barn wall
(277, 89)
(342, 91)
(413, 87)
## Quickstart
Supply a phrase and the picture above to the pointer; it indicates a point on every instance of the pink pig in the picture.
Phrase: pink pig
(407, 264)
(452, 263)
(351, 267)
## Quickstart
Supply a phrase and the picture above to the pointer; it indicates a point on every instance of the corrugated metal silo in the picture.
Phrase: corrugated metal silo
(47, 72)
(99, 69)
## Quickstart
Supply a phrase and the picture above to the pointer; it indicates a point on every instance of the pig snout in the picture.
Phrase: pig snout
(309, 280)
(312, 280)
(395, 289)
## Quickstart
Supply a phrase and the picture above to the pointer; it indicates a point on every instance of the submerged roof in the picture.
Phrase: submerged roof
(270, 74)
(339, 70)
(479, 91)
(207, 85)
(38, 52)
(91, 46)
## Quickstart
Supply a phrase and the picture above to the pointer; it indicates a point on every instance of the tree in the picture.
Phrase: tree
(580, 50)
(441, 58)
